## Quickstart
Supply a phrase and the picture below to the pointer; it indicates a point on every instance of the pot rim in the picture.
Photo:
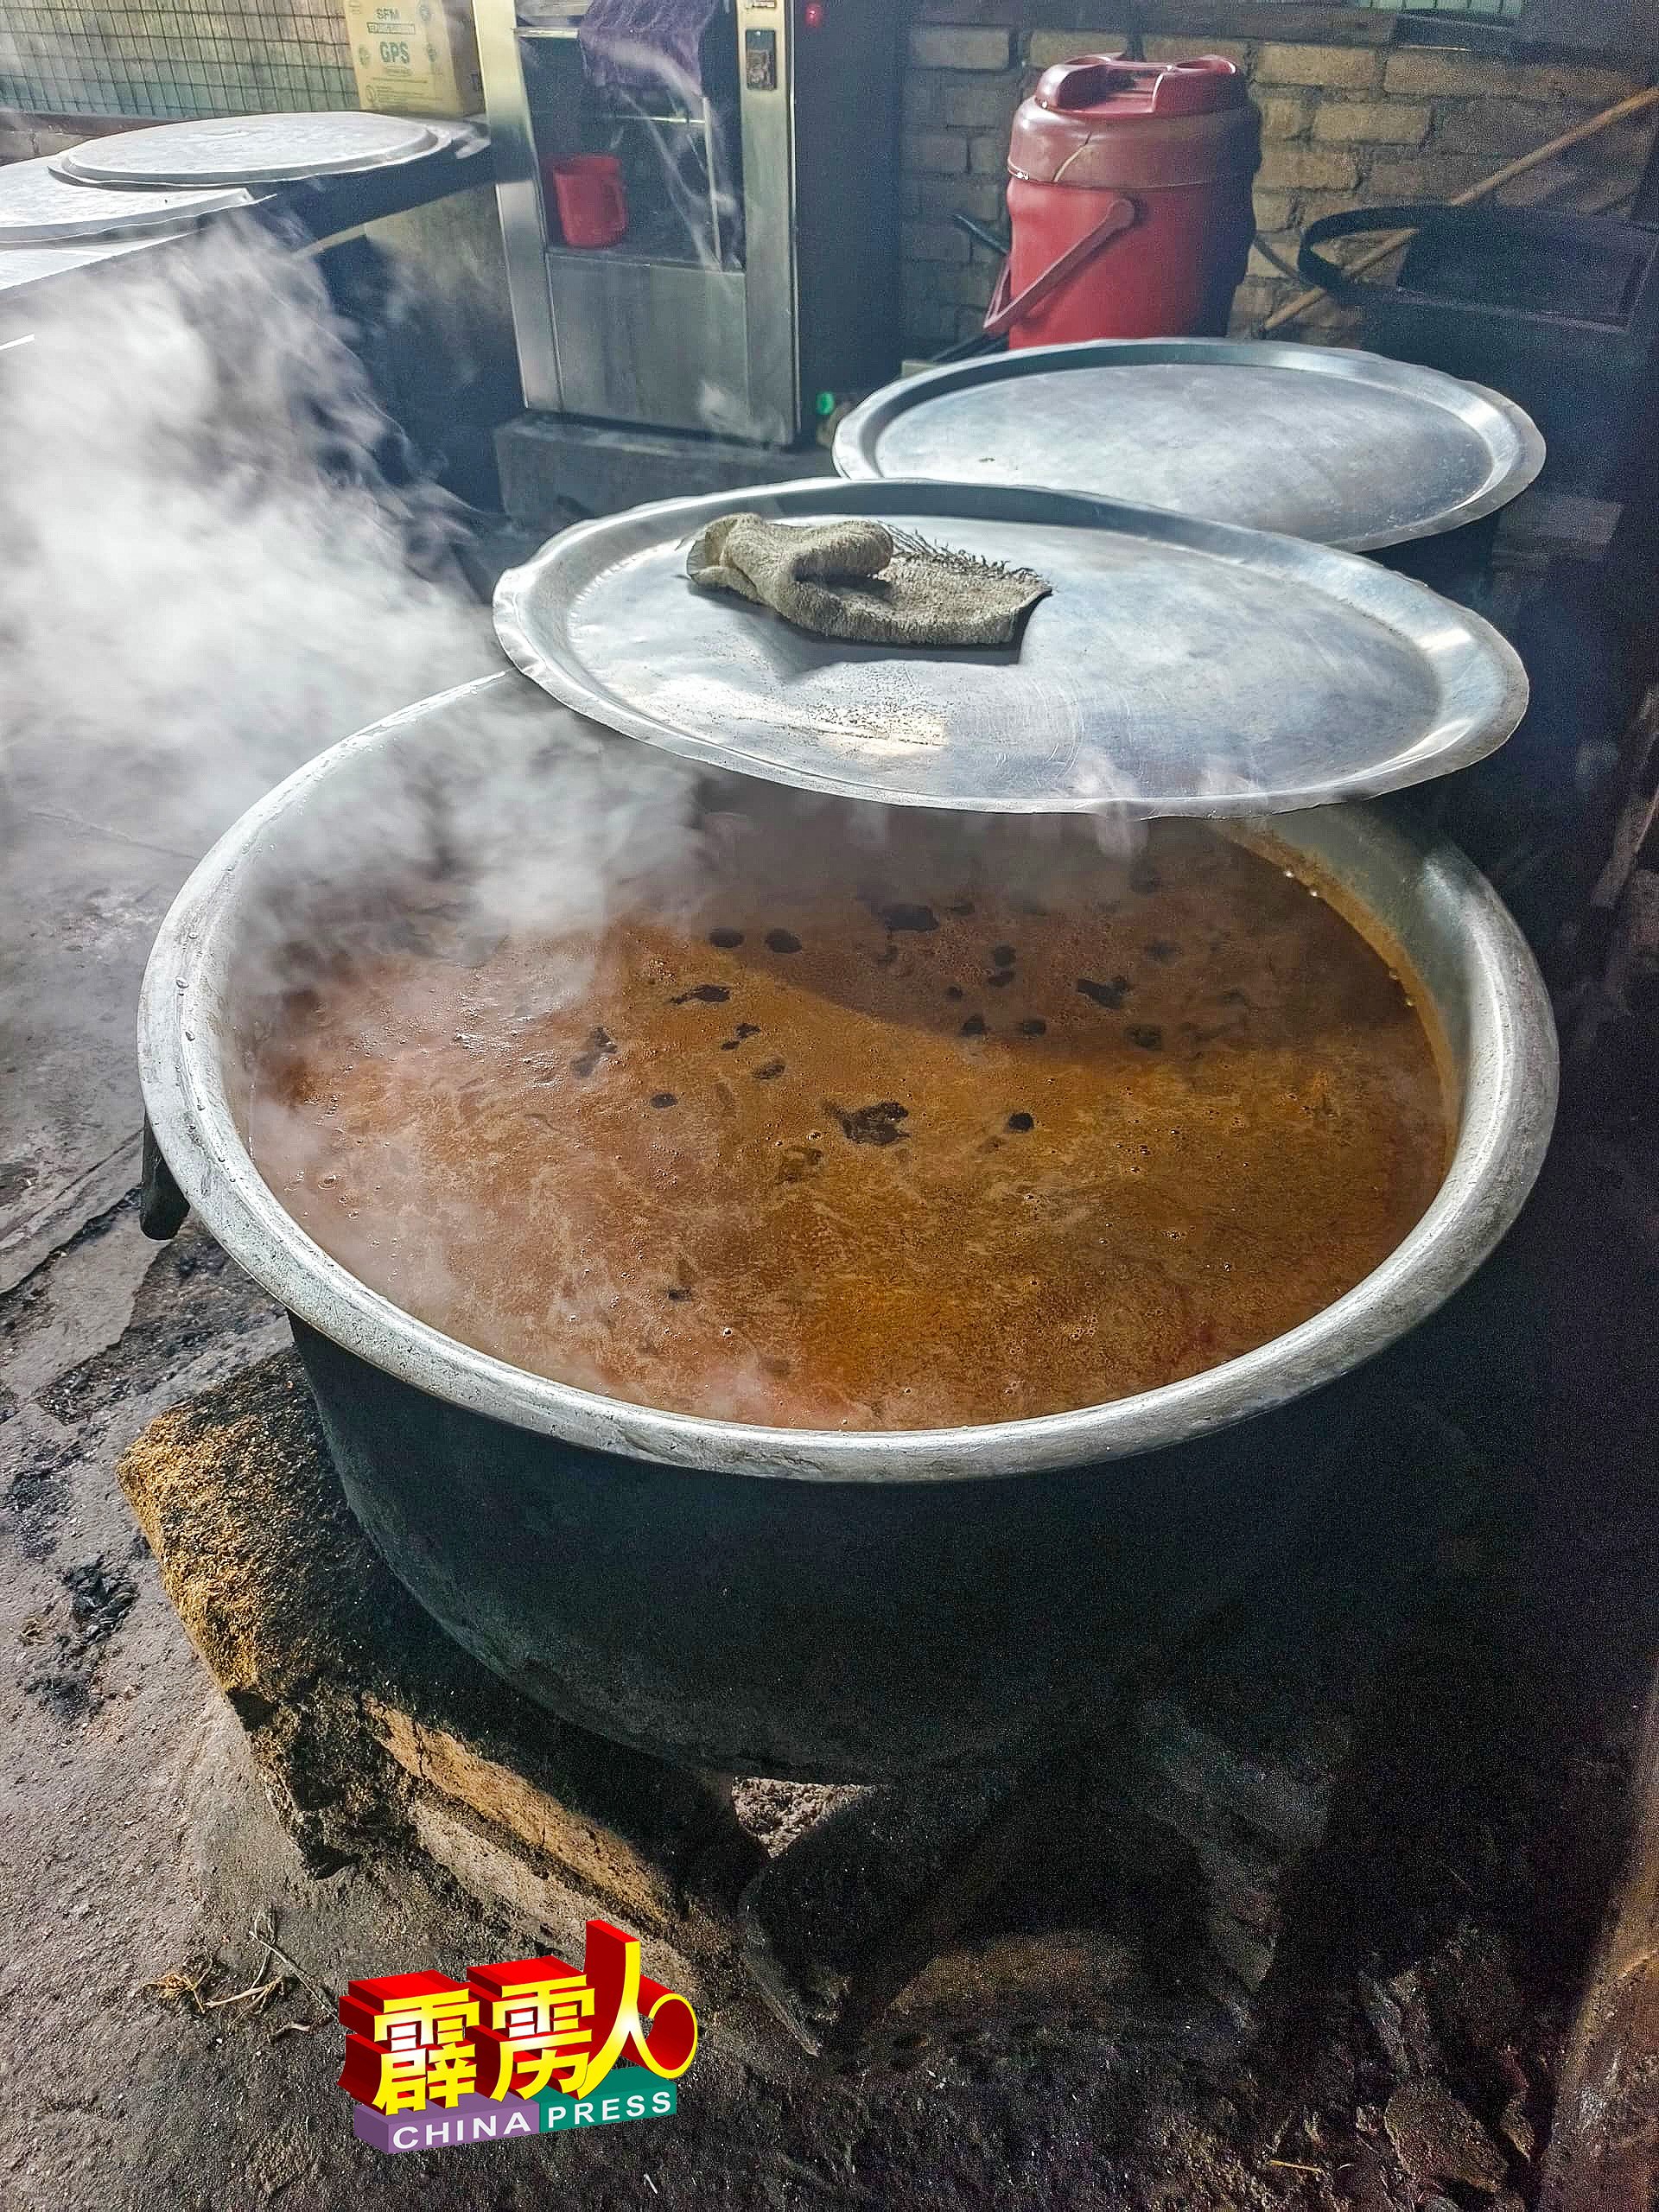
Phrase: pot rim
(1509, 1103)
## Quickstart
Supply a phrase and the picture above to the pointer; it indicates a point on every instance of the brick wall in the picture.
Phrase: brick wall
(1350, 118)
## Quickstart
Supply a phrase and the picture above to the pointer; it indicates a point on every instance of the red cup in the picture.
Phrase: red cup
(593, 207)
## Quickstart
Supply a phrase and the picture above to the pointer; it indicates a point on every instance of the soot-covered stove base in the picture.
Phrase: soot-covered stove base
(1134, 1881)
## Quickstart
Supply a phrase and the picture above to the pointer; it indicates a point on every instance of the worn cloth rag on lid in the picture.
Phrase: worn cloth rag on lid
(865, 584)
(646, 46)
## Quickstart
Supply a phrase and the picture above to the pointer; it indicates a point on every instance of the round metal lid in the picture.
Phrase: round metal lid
(250, 149)
(38, 208)
(1178, 667)
(1319, 441)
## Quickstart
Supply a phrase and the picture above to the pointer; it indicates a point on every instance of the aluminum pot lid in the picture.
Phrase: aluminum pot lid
(39, 208)
(1320, 442)
(1178, 667)
(250, 149)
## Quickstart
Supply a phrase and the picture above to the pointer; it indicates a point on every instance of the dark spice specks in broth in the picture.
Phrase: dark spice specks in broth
(944, 1133)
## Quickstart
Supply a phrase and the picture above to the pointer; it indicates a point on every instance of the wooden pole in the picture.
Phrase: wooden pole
(1621, 111)
(1604, 2144)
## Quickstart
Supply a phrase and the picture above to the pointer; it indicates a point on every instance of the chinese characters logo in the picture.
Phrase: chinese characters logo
(523, 2048)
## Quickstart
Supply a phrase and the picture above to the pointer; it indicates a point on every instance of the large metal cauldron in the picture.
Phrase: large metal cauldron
(788, 1602)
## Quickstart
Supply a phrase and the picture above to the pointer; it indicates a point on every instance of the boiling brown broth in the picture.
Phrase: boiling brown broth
(872, 1140)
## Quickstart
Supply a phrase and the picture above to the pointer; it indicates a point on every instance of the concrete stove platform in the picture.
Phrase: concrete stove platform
(375, 1734)
(366, 1721)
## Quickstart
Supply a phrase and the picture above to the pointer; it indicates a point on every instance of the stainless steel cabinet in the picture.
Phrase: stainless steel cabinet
(758, 268)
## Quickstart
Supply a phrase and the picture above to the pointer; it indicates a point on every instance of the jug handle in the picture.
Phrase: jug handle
(1003, 312)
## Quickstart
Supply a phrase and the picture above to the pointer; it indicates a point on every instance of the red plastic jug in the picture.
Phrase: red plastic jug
(1129, 201)
(593, 207)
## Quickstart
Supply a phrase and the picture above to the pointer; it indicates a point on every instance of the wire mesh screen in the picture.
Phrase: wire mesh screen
(169, 58)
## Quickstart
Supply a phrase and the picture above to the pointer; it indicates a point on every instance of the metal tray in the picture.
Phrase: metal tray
(1179, 667)
(39, 208)
(250, 149)
(1344, 447)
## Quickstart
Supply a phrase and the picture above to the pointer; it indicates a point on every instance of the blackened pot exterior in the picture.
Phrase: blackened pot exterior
(843, 1603)
(825, 1631)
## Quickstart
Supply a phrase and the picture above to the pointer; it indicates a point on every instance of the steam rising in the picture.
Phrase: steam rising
(207, 570)
(211, 575)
